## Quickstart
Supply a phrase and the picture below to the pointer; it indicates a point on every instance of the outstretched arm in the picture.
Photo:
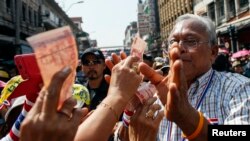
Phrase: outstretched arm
(122, 88)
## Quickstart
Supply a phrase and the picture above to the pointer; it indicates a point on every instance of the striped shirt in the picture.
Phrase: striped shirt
(14, 133)
(227, 101)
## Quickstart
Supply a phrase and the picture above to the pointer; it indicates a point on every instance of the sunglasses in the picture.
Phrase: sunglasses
(93, 62)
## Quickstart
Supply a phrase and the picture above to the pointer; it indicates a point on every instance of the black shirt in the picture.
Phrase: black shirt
(97, 94)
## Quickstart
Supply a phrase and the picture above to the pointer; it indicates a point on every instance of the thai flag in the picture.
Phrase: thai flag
(213, 121)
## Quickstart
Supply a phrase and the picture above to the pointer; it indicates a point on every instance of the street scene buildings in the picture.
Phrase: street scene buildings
(20, 19)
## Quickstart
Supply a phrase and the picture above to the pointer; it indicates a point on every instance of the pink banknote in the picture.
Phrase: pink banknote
(54, 50)
(138, 47)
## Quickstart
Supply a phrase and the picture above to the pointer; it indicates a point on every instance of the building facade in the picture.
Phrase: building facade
(142, 20)
(169, 10)
(148, 25)
(83, 39)
(20, 19)
(232, 20)
(130, 33)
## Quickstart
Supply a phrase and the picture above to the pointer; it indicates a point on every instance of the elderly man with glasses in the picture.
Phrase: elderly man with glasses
(193, 94)
(196, 95)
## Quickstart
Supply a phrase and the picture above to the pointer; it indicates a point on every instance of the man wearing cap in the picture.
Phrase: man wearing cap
(148, 59)
(93, 65)
(237, 67)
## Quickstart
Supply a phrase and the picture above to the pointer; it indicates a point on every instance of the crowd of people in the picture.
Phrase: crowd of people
(192, 92)
(226, 61)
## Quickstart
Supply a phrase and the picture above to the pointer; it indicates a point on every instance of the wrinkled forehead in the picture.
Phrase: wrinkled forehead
(189, 27)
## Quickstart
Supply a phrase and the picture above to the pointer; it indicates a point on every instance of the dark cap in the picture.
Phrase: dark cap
(94, 51)
(148, 57)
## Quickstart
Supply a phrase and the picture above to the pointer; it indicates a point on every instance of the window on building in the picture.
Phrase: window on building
(221, 8)
(182, 12)
(24, 11)
(211, 11)
(8, 6)
(197, 1)
(244, 3)
(232, 7)
(35, 19)
(30, 16)
(60, 22)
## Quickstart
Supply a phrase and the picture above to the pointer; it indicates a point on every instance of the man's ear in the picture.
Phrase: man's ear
(105, 67)
(214, 52)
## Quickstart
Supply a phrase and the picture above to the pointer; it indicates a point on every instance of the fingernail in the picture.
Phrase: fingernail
(66, 70)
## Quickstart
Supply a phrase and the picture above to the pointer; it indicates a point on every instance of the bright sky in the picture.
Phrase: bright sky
(104, 20)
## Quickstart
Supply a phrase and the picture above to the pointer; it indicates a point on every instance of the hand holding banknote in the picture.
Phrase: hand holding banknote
(55, 50)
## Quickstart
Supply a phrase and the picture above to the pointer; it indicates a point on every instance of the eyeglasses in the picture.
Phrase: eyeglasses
(93, 62)
(188, 44)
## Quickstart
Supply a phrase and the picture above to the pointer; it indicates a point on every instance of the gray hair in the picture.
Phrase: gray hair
(205, 21)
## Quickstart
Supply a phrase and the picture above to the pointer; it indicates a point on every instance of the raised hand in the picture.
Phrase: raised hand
(115, 60)
(177, 103)
(144, 123)
(45, 122)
